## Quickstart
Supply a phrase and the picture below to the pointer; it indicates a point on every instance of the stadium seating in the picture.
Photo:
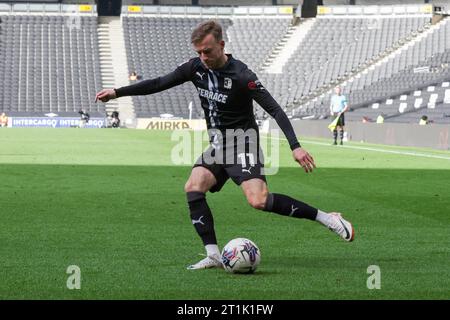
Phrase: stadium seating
(432, 53)
(430, 100)
(408, 81)
(424, 63)
(252, 40)
(50, 64)
(334, 49)
(47, 64)
(158, 52)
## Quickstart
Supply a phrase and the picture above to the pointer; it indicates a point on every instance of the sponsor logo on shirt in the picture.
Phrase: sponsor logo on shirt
(211, 95)
(253, 85)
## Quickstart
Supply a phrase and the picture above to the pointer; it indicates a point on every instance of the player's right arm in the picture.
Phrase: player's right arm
(175, 78)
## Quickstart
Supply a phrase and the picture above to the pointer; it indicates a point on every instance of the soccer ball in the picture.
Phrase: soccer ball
(241, 255)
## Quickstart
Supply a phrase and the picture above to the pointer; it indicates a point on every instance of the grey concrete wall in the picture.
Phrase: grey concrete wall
(434, 136)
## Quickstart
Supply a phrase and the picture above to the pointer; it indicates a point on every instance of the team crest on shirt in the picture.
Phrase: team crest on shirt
(227, 83)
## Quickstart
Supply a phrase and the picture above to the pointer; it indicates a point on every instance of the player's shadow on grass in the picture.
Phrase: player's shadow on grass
(260, 272)
(313, 263)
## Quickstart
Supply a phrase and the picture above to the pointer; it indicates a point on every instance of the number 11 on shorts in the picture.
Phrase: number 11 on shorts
(243, 157)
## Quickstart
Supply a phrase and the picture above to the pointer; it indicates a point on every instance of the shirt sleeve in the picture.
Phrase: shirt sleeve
(268, 103)
(180, 75)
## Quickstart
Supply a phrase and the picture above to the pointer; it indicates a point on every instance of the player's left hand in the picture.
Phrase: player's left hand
(304, 159)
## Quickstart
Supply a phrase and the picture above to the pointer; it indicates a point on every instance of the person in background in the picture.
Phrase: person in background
(423, 121)
(115, 121)
(133, 76)
(84, 118)
(338, 106)
(3, 120)
(366, 120)
(380, 118)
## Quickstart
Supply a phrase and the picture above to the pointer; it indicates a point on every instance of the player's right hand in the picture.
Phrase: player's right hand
(105, 95)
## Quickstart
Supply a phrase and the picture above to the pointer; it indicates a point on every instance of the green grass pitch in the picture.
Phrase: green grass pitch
(111, 202)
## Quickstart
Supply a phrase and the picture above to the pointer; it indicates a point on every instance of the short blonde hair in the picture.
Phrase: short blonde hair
(205, 28)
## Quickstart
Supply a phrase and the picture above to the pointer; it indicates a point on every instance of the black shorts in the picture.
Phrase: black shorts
(341, 121)
(243, 167)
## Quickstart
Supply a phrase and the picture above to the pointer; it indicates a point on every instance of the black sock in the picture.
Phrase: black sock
(335, 135)
(201, 217)
(342, 134)
(286, 206)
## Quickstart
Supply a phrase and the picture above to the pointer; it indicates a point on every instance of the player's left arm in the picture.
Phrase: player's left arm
(268, 103)
(345, 105)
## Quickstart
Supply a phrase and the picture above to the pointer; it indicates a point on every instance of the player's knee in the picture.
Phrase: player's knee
(258, 200)
(191, 186)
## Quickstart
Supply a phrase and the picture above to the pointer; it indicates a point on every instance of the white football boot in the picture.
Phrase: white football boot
(212, 261)
(341, 226)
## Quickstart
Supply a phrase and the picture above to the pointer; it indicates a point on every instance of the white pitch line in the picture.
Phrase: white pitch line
(405, 153)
